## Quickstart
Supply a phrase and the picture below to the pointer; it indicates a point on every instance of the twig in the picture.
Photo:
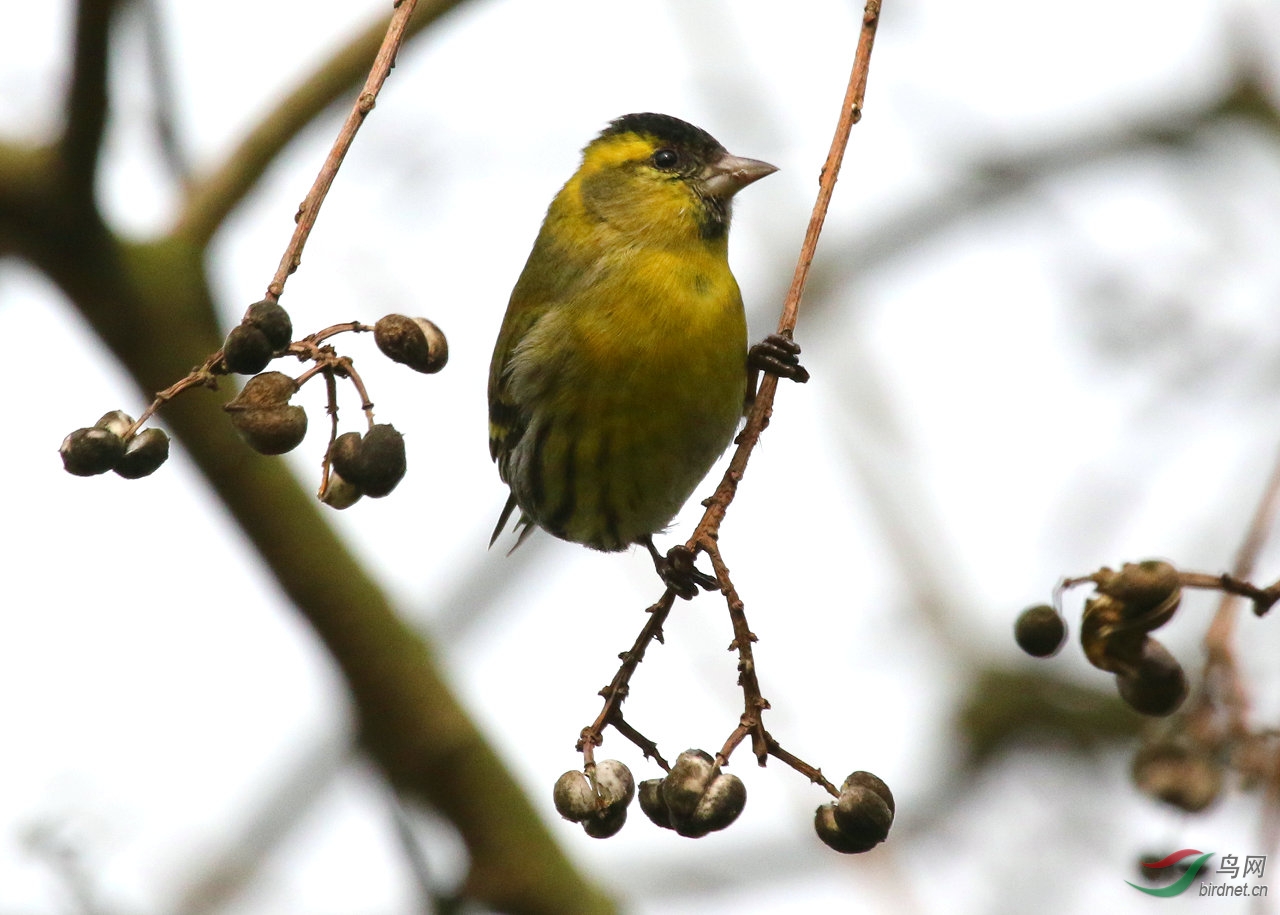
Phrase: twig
(850, 113)
(310, 207)
(614, 694)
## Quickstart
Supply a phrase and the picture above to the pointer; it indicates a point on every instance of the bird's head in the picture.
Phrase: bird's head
(657, 176)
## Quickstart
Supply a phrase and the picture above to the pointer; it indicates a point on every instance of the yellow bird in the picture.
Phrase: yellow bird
(621, 370)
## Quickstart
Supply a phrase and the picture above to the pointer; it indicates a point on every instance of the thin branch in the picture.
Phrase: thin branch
(211, 198)
(1218, 637)
(762, 408)
(309, 210)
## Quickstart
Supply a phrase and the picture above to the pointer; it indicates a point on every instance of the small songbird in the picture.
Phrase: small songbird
(621, 370)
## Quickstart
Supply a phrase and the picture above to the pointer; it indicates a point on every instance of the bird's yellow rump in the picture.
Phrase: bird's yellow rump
(620, 372)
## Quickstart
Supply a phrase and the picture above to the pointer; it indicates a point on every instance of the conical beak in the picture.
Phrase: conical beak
(730, 174)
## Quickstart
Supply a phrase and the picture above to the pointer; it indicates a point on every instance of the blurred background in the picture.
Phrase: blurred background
(1042, 328)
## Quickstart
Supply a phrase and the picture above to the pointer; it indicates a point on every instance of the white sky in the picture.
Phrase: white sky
(157, 689)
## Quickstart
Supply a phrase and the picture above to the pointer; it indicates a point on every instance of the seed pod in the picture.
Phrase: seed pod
(1151, 588)
(685, 784)
(415, 342)
(718, 807)
(1155, 685)
(262, 415)
(614, 784)
(89, 452)
(338, 493)
(144, 454)
(382, 461)
(863, 816)
(606, 822)
(651, 802)
(824, 823)
(116, 421)
(344, 455)
(873, 783)
(1109, 642)
(573, 797)
(246, 351)
(271, 318)
(1040, 631)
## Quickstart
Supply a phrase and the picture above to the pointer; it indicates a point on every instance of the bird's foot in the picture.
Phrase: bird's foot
(678, 572)
(778, 355)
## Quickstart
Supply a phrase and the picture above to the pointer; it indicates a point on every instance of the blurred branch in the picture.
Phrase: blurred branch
(151, 304)
(86, 101)
(160, 71)
(222, 875)
(215, 195)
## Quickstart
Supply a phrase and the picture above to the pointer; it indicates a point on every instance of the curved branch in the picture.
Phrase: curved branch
(212, 197)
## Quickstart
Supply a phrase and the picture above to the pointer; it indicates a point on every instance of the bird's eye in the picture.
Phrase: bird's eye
(666, 159)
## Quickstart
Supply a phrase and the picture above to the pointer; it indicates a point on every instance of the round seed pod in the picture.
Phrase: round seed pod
(274, 322)
(144, 454)
(89, 452)
(415, 342)
(246, 351)
(1040, 631)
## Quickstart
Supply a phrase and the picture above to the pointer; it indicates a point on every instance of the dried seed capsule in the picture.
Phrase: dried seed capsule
(261, 413)
(415, 342)
(143, 454)
(1144, 588)
(860, 818)
(338, 493)
(573, 797)
(719, 806)
(89, 452)
(871, 782)
(246, 350)
(651, 802)
(270, 389)
(1040, 631)
(685, 784)
(382, 461)
(606, 822)
(614, 784)
(1156, 684)
(271, 318)
(828, 830)
(116, 421)
(863, 816)
(344, 454)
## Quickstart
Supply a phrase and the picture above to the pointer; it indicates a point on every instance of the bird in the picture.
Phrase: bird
(621, 370)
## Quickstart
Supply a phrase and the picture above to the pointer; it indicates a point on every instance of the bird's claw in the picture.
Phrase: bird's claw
(778, 355)
(678, 572)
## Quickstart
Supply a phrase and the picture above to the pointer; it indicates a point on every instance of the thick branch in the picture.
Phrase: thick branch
(145, 302)
(86, 102)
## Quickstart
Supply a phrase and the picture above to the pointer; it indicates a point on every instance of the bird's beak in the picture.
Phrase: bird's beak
(730, 174)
